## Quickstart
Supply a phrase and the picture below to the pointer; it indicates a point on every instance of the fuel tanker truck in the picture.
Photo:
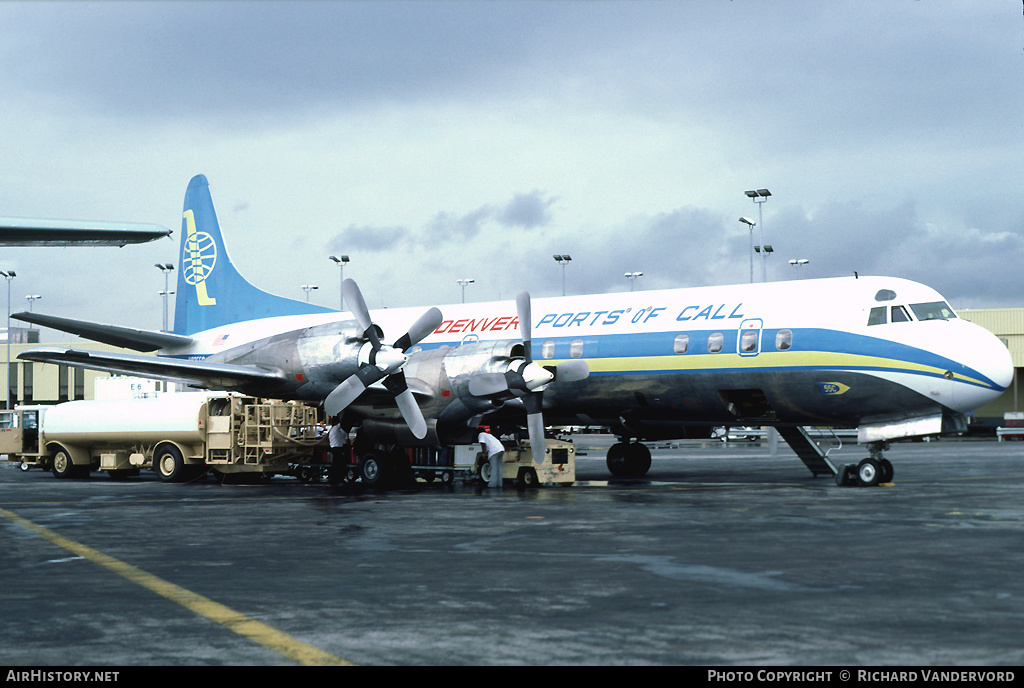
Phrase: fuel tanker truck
(180, 436)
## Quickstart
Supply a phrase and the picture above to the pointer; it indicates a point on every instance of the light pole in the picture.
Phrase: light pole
(463, 283)
(765, 251)
(8, 275)
(31, 298)
(308, 288)
(341, 260)
(760, 196)
(165, 268)
(631, 276)
(563, 261)
(750, 225)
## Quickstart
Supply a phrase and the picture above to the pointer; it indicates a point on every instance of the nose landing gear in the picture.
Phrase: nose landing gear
(872, 471)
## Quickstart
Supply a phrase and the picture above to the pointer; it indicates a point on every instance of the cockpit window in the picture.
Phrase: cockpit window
(936, 310)
(885, 295)
(899, 314)
(877, 316)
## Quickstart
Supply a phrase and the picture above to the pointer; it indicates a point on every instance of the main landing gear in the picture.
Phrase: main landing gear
(872, 471)
(628, 459)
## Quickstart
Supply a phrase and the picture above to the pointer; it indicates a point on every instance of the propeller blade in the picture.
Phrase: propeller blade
(486, 384)
(427, 323)
(411, 413)
(350, 389)
(355, 301)
(572, 371)
(535, 427)
(524, 313)
(343, 395)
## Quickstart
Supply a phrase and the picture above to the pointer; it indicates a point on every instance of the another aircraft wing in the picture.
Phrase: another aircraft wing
(125, 337)
(196, 373)
(20, 231)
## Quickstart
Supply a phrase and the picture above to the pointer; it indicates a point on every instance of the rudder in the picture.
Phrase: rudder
(210, 291)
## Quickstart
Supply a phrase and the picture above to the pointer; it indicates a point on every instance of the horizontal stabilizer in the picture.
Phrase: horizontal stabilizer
(20, 231)
(196, 373)
(126, 337)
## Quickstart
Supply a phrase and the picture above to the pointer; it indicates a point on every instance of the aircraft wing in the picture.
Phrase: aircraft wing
(20, 231)
(196, 373)
(125, 337)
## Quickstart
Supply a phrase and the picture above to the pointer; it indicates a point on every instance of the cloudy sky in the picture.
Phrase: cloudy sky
(433, 141)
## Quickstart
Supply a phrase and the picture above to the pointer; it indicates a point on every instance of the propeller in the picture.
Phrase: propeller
(383, 362)
(528, 379)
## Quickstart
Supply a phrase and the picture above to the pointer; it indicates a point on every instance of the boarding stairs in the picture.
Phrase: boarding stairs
(809, 450)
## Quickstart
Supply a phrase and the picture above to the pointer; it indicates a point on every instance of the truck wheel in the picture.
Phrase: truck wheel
(527, 478)
(61, 465)
(170, 466)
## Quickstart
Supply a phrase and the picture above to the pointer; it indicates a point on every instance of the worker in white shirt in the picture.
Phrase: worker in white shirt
(493, 450)
(337, 440)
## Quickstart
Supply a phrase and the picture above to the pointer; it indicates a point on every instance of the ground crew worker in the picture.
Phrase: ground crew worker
(337, 440)
(493, 450)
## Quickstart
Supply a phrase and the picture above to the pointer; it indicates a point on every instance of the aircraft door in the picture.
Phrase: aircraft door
(748, 341)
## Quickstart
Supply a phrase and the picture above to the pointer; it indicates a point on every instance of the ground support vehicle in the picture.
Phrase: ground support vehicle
(180, 436)
(517, 464)
(385, 466)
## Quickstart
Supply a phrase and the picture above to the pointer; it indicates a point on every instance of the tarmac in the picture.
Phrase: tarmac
(723, 555)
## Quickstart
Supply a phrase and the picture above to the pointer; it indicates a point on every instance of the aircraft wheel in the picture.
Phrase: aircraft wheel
(639, 458)
(617, 459)
(170, 465)
(484, 472)
(887, 470)
(869, 472)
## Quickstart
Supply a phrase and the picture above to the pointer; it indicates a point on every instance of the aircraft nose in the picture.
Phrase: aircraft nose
(989, 369)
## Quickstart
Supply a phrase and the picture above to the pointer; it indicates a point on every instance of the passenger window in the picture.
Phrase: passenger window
(548, 349)
(715, 340)
(576, 348)
(877, 316)
(784, 340)
(748, 341)
(681, 344)
(899, 314)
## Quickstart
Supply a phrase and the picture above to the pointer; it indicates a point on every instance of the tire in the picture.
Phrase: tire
(617, 459)
(485, 472)
(169, 464)
(527, 478)
(372, 469)
(61, 465)
(869, 472)
(887, 470)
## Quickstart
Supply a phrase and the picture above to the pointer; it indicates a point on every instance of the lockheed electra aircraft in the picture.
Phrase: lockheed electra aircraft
(885, 355)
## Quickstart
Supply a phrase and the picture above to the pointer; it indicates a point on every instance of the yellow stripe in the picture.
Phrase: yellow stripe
(265, 635)
(764, 360)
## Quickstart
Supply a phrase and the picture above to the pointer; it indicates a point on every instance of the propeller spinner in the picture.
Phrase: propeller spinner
(383, 362)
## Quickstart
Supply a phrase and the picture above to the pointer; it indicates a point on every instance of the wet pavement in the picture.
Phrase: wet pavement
(721, 555)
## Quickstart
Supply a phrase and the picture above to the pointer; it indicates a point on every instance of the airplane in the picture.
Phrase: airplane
(21, 231)
(882, 354)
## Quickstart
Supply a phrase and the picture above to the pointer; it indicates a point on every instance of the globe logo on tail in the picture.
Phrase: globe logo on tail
(200, 257)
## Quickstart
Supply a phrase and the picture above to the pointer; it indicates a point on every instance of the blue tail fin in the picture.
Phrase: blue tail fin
(210, 290)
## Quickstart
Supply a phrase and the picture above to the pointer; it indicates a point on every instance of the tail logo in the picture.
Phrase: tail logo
(198, 259)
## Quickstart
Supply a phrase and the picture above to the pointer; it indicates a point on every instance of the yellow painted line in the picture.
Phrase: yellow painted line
(265, 635)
